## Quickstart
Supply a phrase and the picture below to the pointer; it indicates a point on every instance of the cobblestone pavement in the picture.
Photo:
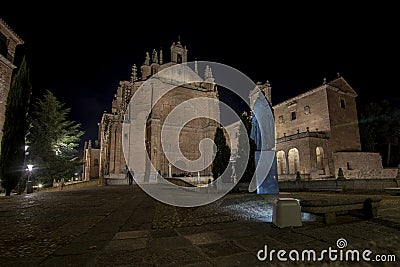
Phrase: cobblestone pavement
(122, 226)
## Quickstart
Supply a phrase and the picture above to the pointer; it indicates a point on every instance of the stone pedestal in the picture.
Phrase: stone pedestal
(269, 185)
(287, 212)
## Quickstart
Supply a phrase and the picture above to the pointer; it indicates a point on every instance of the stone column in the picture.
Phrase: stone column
(286, 163)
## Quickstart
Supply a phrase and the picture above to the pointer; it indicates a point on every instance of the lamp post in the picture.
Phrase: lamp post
(29, 186)
(30, 167)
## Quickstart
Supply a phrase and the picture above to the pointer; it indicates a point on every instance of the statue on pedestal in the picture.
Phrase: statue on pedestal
(263, 134)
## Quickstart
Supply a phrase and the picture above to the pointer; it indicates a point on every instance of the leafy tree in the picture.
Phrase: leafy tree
(380, 130)
(223, 154)
(53, 140)
(244, 148)
(15, 129)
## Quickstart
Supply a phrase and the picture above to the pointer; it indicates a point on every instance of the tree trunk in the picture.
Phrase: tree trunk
(8, 192)
(388, 155)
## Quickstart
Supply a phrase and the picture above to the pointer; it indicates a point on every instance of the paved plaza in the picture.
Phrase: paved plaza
(122, 226)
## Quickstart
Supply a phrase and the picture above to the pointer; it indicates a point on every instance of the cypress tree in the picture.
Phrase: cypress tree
(15, 129)
(223, 154)
(245, 148)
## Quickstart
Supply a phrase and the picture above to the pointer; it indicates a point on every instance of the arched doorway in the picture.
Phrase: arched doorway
(294, 161)
(178, 58)
(319, 151)
(281, 162)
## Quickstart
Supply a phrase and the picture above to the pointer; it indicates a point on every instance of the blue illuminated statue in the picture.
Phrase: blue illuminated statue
(263, 134)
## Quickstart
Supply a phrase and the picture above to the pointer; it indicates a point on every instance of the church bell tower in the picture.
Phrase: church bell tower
(178, 52)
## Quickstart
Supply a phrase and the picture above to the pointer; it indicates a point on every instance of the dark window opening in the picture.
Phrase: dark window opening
(342, 103)
(293, 115)
(3, 45)
(178, 58)
(349, 166)
(96, 162)
(307, 110)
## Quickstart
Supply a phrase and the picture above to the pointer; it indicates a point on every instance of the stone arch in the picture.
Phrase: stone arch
(294, 161)
(281, 162)
(319, 151)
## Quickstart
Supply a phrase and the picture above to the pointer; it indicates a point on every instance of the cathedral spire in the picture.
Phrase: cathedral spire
(208, 73)
(134, 73)
(155, 57)
(147, 60)
(161, 57)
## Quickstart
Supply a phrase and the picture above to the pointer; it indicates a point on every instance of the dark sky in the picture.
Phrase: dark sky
(82, 53)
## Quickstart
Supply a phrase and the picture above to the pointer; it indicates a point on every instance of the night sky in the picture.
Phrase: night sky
(81, 54)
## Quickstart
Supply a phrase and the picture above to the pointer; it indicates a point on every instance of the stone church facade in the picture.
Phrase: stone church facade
(112, 163)
(316, 132)
(8, 42)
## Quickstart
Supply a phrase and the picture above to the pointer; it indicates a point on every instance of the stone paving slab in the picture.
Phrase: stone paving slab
(200, 264)
(157, 244)
(255, 243)
(204, 238)
(131, 234)
(221, 248)
(118, 226)
(127, 244)
(178, 257)
(243, 259)
(140, 257)
(160, 233)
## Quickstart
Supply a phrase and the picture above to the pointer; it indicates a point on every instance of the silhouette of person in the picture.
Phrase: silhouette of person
(130, 177)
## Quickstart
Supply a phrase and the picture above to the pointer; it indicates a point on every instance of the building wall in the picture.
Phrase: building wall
(326, 117)
(233, 131)
(362, 165)
(8, 42)
(190, 134)
(306, 145)
(345, 135)
(113, 161)
(311, 111)
(91, 163)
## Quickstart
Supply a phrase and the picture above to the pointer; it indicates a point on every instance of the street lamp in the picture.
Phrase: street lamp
(30, 167)
(29, 188)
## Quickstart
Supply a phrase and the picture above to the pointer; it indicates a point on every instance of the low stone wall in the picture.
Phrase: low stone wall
(116, 181)
(179, 182)
(195, 180)
(390, 172)
(362, 165)
(348, 185)
(69, 186)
